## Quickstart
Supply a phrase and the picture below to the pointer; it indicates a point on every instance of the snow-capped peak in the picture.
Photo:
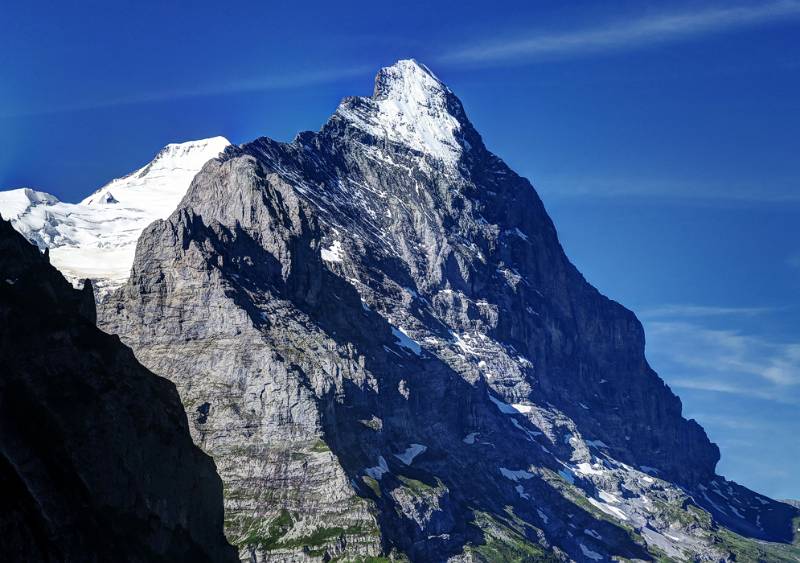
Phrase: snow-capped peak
(96, 238)
(191, 154)
(14, 203)
(410, 81)
(161, 184)
(412, 107)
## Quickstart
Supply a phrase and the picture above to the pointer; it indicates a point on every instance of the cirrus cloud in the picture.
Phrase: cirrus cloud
(624, 34)
(689, 354)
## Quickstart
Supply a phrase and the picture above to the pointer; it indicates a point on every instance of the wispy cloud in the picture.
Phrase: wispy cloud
(690, 311)
(266, 83)
(571, 187)
(691, 355)
(625, 34)
(737, 422)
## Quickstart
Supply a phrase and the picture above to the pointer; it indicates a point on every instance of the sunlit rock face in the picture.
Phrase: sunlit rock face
(377, 336)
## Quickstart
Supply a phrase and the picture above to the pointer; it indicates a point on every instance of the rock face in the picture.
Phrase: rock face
(96, 460)
(379, 339)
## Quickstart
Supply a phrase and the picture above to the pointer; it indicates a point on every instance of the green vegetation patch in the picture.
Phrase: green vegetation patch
(752, 551)
(394, 557)
(687, 515)
(373, 484)
(267, 536)
(318, 538)
(420, 488)
(270, 537)
(323, 536)
(320, 446)
(505, 543)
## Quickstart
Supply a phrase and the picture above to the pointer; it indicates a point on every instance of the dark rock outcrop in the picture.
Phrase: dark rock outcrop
(96, 460)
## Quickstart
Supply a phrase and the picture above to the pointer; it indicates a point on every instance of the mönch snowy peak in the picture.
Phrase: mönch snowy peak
(96, 238)
(379, 339)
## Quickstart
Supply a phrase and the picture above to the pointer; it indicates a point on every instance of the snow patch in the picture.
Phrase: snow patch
(521, 492)
(460, 340)
(608, 497)
(378, 471)
(527, 432)
(407, 457)
(333, 253)
(405, 341)
(567, 476)
(593, 534)
(608, 509)
(520, 234)
(522, 408)
(589, 469)
(543, 516)
(516, 408)
(515, 475)
(590, 554)
(504, 408)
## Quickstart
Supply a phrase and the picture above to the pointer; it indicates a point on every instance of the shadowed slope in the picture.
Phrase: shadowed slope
(96, 461)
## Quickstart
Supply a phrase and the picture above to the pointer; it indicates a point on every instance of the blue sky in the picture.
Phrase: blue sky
(662, 137)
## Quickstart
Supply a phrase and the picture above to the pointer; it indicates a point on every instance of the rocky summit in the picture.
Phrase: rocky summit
(96, 460)
(377, 336)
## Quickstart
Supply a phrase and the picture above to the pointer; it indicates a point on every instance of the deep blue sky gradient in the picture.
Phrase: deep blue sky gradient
(663, 138)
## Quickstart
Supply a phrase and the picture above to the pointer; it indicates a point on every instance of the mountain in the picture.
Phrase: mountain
(378, 338)
(96, 459)
(96, 238)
